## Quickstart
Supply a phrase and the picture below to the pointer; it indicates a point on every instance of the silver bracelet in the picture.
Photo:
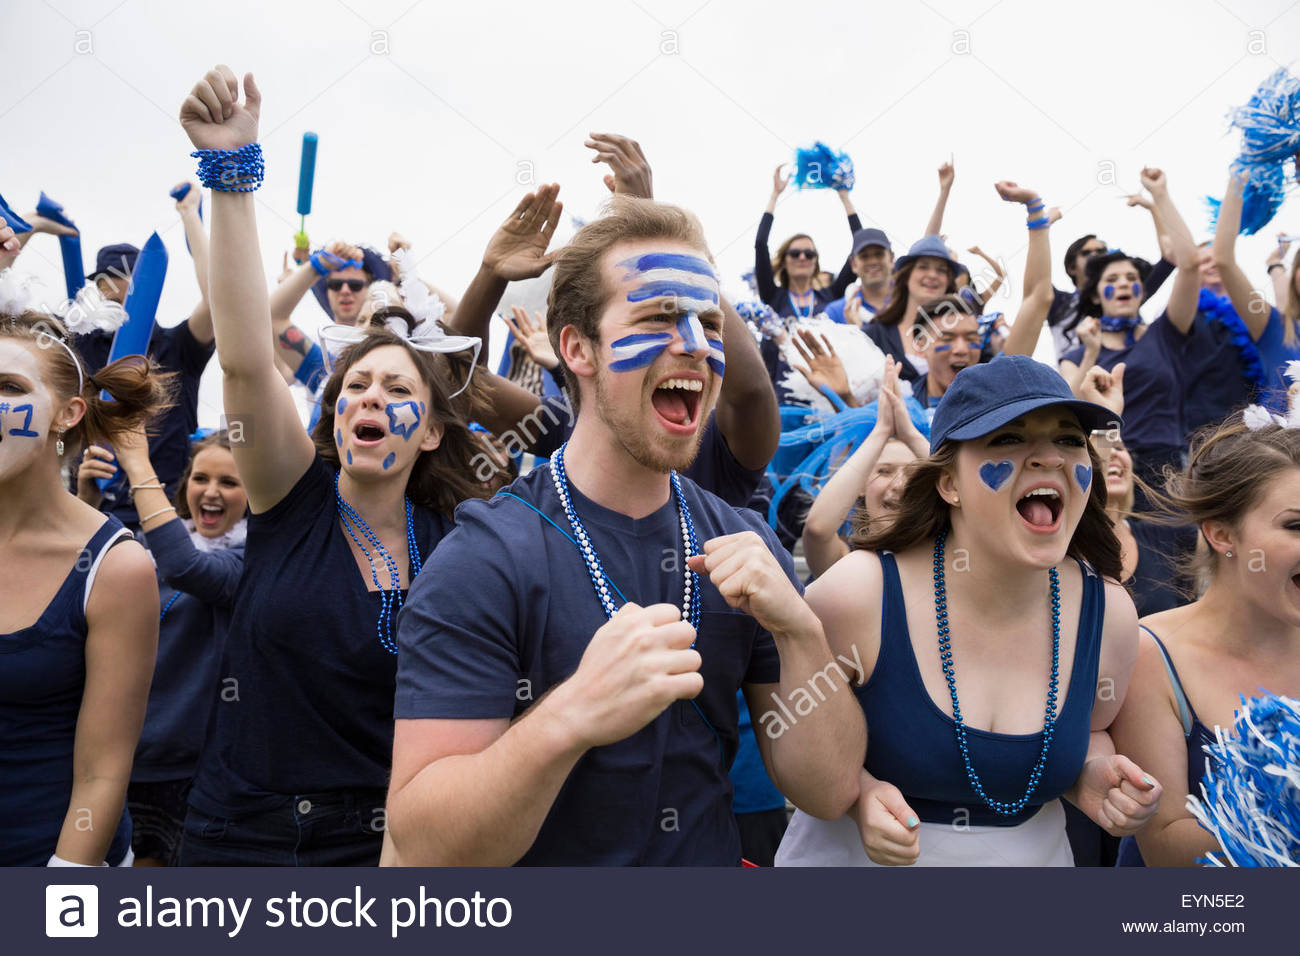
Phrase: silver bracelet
(160, 511)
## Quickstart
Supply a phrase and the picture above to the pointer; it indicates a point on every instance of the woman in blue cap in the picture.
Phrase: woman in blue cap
(995, 641)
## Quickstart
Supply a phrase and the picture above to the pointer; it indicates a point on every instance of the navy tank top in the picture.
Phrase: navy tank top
(42, 677)
(1196, 737)
(913, 744)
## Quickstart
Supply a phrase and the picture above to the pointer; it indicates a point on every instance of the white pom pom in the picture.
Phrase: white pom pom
(15, 293)
(420, 302)
(1293, 371)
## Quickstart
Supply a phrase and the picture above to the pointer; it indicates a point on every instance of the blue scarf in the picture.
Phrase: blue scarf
(1218, 308)
(1120, 323)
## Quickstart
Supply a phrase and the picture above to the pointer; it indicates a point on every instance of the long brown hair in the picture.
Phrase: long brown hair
(1225, 477)
(139, 388)
(922, 513)
(217, 439)
(442, 478)
(895, 309)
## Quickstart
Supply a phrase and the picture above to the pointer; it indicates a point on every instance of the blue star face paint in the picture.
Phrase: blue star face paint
(1083, 475)
(995, 474)
(403, 418)
(388, 460)
(632, 352)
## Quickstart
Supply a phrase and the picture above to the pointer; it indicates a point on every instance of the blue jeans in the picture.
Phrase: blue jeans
(316, 829)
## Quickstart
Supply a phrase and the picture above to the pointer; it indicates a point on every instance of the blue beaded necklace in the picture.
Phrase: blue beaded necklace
(390, 598)
(599, 580)
(949, 673)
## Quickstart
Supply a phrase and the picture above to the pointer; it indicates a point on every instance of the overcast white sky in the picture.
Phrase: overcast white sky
(430, 113)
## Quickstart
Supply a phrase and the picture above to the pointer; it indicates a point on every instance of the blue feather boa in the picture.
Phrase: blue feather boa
(1218, 308)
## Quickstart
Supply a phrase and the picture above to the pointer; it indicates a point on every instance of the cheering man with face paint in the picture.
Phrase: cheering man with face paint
(570, 657)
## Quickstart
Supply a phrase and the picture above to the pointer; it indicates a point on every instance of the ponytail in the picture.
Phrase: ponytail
(140, 391)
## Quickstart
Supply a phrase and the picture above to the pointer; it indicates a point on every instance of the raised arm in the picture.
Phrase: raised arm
(1277, 272)
(764, 278)
(271, 448)
(999, 276)
(517, 250)
(1037, 295)
(1249, 304)
(747, 412)
(200, 320)
(1178, 246)
(947, 173)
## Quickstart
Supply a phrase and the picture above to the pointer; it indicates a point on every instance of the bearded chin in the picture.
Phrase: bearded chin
(647, 450)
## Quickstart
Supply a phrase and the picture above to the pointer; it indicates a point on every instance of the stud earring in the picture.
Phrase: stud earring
(1227, 554)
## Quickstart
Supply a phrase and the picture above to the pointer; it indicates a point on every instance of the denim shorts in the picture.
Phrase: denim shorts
(343, 828)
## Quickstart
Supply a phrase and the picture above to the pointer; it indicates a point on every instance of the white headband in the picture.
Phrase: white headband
(81, 381)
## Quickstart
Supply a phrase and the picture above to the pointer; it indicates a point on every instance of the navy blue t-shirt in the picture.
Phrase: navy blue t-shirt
(714, 469)
(176, 350)
(504, 611)
(306, 697)
(1153, 382)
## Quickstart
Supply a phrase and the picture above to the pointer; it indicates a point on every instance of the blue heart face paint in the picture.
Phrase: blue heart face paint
(1137, 290)
(994, 474)
(403, 418)
(1083, 475)
(1108, 292)
(388, 460)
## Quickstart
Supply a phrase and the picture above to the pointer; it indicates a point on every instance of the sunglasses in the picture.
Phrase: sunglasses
(356, 285)
(801, 253)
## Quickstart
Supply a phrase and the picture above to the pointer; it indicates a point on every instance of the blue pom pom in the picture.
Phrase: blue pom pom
(1250, 796)
(820, 167)
(814, 445)
(1270, 138)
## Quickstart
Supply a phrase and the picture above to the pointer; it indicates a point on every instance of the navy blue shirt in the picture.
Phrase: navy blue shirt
(714, 469)
(176, 350)
(504, 611)
(1153, 382)
(197, 590)
(306, 697)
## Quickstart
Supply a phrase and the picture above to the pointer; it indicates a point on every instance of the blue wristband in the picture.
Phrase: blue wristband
(231, 170)
(1039, 223)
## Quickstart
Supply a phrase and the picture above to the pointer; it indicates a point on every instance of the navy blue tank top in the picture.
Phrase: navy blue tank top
(42, 677)
(913, 744)
(1196, 736)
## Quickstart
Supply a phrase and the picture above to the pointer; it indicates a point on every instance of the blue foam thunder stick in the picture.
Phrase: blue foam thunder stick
(306, 179)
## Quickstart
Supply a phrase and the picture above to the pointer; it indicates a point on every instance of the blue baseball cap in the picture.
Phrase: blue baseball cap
(985, 397)
(116, 260)
(931, 246)
(870, 237)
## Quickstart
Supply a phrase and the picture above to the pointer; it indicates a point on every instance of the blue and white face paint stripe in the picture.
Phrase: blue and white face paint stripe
(688, 281)
(632, 352)
(716, 358)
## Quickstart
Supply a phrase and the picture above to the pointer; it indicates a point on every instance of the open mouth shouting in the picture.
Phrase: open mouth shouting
(368, 433)
(211, 515)
(677, 400)
(1041, 507)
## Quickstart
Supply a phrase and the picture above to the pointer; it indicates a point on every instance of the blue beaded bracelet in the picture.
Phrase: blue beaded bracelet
(1039, 223)
(231, 170)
